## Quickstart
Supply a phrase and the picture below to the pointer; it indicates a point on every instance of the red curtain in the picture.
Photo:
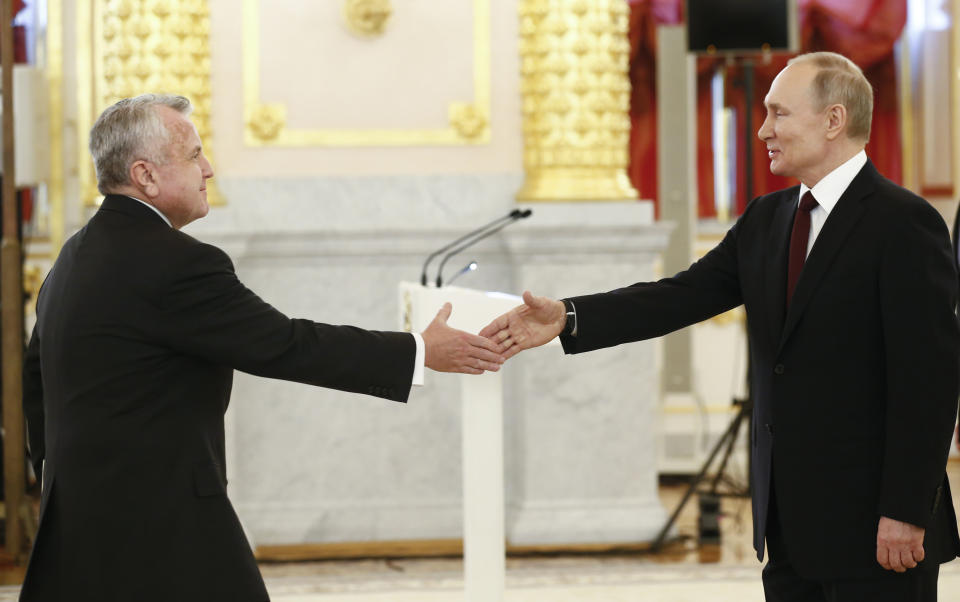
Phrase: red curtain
(19, 35)
(863, 30)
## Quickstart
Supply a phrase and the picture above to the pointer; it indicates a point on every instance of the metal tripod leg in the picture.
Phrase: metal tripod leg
(728, 438)
(735, 426)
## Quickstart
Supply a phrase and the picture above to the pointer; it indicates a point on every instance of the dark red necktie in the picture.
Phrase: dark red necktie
(798, 242)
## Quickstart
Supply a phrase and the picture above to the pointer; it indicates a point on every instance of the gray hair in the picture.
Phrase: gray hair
(129, 131)
(840, 81)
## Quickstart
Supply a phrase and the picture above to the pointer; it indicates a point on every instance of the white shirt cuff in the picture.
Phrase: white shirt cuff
(420, 362)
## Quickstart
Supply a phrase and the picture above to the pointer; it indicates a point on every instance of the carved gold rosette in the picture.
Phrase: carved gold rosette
(576, 92)
(367, 18)
(158, 46)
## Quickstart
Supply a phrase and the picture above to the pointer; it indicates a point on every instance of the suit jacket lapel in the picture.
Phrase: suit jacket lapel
(775, 269)
(836, 231)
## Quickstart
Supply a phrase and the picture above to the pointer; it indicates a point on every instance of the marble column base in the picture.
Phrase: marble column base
(587, 521)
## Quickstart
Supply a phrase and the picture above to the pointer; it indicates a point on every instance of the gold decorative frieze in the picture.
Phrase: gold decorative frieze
(266, 124)
(576, 93)
(367, 18)
(160, 46)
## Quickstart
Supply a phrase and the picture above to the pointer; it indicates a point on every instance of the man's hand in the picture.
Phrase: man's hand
(532, 324)
(452, 350)
(899, 545)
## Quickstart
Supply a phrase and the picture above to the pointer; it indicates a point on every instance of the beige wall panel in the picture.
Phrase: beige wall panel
(329, 78)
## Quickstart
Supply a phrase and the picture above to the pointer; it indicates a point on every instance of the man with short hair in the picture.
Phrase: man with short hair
(128, 375)
(849, 288)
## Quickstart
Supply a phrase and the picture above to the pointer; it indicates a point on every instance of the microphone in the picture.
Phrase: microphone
(423, 275)
(515, 215)
(470, 267)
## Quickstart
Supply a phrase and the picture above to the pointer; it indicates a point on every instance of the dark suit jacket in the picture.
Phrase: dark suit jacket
(855, 387)
(956, 239)
(127, 377)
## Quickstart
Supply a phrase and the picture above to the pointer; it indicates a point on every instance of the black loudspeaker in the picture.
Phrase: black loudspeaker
(741, 25)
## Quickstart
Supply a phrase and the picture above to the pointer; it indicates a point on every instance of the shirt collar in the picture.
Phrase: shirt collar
(832, 186)
(157, 211)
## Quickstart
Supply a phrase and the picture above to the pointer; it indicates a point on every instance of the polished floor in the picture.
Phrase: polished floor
(683, 572)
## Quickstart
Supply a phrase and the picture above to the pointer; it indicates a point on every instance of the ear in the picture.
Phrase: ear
(836, 116)
(144, 176)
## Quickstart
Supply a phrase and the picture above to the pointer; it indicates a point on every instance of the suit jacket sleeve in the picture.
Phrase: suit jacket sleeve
(204, 310)
(918, 295)
(33, 403)
(647, 310)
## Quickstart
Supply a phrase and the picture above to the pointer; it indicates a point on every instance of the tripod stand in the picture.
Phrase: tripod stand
(727, 442)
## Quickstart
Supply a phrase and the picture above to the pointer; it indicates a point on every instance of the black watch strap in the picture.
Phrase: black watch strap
(571, 324)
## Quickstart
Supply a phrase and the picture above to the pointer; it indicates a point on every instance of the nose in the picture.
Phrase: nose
(765, 132)
(206, 168)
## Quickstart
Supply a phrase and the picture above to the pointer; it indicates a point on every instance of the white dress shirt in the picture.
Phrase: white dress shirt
(419, 364)
(828, 191)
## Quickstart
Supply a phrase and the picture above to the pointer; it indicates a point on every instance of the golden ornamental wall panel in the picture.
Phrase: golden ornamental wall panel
(132, 47)
(269, 121)
(576, 94)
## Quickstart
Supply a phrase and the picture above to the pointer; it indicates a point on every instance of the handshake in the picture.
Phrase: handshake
(532, 324)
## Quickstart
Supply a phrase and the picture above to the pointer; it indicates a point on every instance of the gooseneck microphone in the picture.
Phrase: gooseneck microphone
(514, 216)
(505, 219)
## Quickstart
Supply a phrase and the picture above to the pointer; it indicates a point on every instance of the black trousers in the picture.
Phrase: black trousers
(781, 583)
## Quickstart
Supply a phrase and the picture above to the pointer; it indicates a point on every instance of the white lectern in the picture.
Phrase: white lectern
(484, 555)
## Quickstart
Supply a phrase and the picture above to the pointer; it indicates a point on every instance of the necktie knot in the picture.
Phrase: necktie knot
(807, 203)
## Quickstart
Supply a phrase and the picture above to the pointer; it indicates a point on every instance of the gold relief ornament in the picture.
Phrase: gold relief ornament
(152, 46)
(367, 18)
(467, 120)
(575, 89)
(407, 312)
(266, 121)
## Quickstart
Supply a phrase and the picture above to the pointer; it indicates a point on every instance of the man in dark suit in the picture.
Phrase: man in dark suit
(128, 375)
(850, 289)
(956, 257)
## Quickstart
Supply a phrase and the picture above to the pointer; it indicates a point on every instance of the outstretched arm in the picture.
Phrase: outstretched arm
(532, 324)
(452, 350)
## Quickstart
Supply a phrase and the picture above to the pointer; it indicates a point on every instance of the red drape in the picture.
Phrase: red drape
(19, 35)
(863, 30)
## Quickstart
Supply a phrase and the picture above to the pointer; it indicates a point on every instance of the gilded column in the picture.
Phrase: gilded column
(576, 93)
(157, 46)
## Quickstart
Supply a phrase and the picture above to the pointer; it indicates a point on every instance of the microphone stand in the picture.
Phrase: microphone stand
(506, 218)
(515, 215)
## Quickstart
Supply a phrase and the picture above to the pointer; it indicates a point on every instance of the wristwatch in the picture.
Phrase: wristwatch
(571, 324)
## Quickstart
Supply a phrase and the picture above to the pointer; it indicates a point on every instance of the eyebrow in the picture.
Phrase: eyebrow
(773, 106)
